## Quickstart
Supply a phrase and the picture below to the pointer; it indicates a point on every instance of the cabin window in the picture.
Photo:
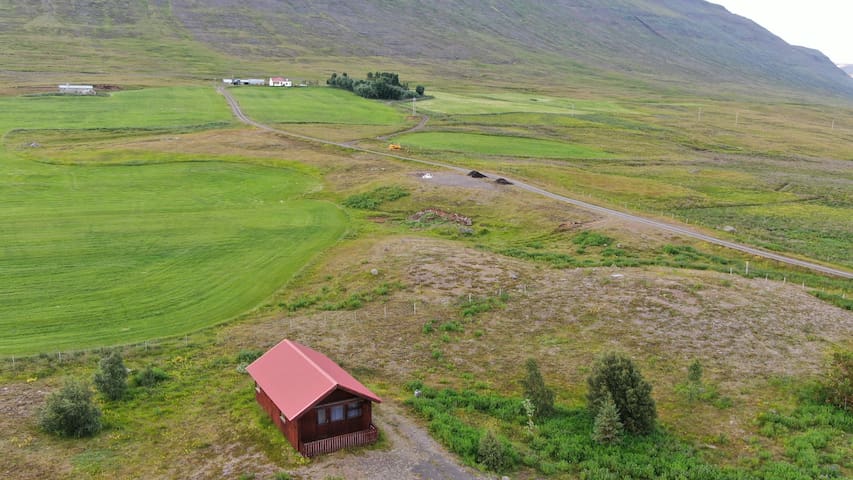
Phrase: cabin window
(354, 410)
(337, 413)
(322, 419)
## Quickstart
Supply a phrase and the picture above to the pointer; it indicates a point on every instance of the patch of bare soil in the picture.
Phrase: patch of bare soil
(20, 458)
(742, 329)
(451, 179)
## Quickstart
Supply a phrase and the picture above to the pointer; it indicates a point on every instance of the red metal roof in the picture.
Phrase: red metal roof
(296, 377)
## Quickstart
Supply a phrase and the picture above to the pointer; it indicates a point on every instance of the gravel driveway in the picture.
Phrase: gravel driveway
(412, 454)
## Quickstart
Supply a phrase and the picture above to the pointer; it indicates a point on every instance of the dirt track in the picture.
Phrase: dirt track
(680, 230)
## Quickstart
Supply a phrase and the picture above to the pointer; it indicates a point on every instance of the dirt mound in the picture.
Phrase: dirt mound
(503, 181)
(103, 87)
(476, 174)
(449, 216)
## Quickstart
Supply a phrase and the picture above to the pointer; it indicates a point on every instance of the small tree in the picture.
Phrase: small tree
(493, 453)
(535, 390)
(838, 384)
(111, 377)
(70, 412)
(607, 428)
(694, 372)
(694, 385)
(420, 90)
(617, 376)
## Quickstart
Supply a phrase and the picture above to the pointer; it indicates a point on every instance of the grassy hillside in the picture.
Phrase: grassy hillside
(682, 45)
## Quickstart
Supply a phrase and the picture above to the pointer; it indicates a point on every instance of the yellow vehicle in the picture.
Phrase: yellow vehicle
(394, 146)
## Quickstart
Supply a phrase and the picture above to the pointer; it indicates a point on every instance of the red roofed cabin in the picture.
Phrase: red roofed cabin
(318, 406)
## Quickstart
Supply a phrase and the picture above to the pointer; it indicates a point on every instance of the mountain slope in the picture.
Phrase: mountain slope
(680, 43)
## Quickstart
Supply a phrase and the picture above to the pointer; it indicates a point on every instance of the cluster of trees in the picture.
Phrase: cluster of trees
(619, 398)
(378, 85)
(71, 411)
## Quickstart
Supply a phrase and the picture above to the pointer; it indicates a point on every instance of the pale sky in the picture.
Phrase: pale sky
(826, 25)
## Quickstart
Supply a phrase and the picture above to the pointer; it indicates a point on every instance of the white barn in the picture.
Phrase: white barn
(77, 89)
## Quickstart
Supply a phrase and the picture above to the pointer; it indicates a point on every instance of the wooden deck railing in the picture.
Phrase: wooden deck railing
(328, 445)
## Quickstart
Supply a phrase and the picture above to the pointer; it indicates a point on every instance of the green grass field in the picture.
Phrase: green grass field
(98, 255)
(496, 145)
(148, 108)
(314, 105)
(511, 102)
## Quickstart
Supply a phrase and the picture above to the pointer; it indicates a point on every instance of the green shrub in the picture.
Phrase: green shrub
(111, 377)
(70, 412)
(453, 326)
(838, 383)
(248, 356)
(149, 376)
(495, 454)
(589, 238)
(617, 376)
(373, 199)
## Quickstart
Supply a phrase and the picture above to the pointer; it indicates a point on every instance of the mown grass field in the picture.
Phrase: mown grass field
(314, 105)
(101, 256)
(147, 108)
(131, 250)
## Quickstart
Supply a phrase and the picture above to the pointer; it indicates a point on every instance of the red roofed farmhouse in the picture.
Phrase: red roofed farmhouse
(318, 406)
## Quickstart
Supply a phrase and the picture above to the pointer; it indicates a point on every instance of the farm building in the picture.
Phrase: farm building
(280, 82)
(319, 407)
(255, 81)
(77, 89)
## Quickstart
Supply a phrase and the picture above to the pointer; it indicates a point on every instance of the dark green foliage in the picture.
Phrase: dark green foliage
(70, 412)
(379, 85)
(589, 238)
(838, 383)
(535, 389)
(453, 326)
(420, 90)
(616, 375)
(248, 356)
(563, 445)
(373, 199)
(607, 428)
(494, 454)
(815, 439)
(111, 377)
(149, 376)
(694, 372)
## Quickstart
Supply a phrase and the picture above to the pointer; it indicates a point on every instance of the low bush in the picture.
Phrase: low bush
(373, 199)
(149, 376)
(70, 412)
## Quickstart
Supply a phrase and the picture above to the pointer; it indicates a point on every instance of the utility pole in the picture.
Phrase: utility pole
(413, 107)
